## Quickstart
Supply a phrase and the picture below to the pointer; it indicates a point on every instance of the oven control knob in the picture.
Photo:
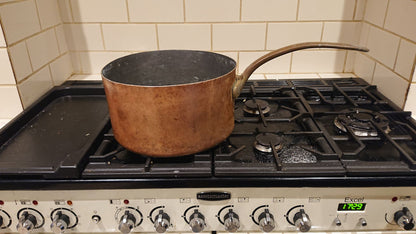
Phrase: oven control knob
(197, 221)
(27, 223)
(1, 221)
(231, 221)
(162, 222)
(127, 222)
(302, 221)
(404, 218)
(60, 222)
(266, 221)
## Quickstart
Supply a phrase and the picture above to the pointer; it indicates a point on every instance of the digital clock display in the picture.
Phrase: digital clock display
(351, 206)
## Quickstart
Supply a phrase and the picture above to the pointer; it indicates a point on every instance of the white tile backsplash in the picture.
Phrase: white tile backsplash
(42, 48)
(35, 86)
(405, 59)
(20, 60)
(184, 36)
(48, 13)
(7, 76)
(390, 84)
(365, 30)
(61, 69)
(401, 18)
(60, 36)
(129, 37)
(383, 46)
(99, 10)
(318, 61)
(65, 10)
(292, 76)
(336, 75)
(239, 36)
(156, 10)
(376, 11)
(364, 67)
(83, 36)
(93, 62)
(19, 20)
(360, 9)
(97, 31)
(284, 34)
(277, 65)
(326, 9)
(212, 10)
(350, 61)
(76, 62)
(343, 32)
(2, 40)
(9, 102)
(268, 10)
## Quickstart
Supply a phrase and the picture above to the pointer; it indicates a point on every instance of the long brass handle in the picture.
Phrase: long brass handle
(241, 79)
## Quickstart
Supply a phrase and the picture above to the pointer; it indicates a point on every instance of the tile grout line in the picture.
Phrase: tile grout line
(397, 54)
(355, 9)
(38, 14)
(28, 55)
(56, 38)
(345, 61)
(102, 35)
(385, 13)
(220, 22)
(297, 10)
(241, 11)
(265, 36)
(184, 10)
(157, 37)
(211, 37)
(50, 74)
(70, 10)
(128, 10)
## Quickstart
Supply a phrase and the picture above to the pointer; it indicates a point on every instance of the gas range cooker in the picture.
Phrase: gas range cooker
(320, 155)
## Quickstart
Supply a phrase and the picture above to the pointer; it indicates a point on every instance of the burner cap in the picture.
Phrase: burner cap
(362, 117)
(264, 140)
(250, 106)
(359, 120)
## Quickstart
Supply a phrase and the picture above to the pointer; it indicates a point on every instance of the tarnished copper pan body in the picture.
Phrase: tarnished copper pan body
(174, 103)
(171, 120)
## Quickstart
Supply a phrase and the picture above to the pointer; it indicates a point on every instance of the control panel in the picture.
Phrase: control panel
(209, 209)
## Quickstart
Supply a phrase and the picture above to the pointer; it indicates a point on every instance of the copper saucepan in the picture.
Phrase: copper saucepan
(179, 102)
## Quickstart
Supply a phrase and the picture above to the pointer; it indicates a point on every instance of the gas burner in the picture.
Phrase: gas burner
(264, 141)
(252, 106)
(359, 120)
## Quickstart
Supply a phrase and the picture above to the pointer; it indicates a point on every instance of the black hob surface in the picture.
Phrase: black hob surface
(334, 128)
